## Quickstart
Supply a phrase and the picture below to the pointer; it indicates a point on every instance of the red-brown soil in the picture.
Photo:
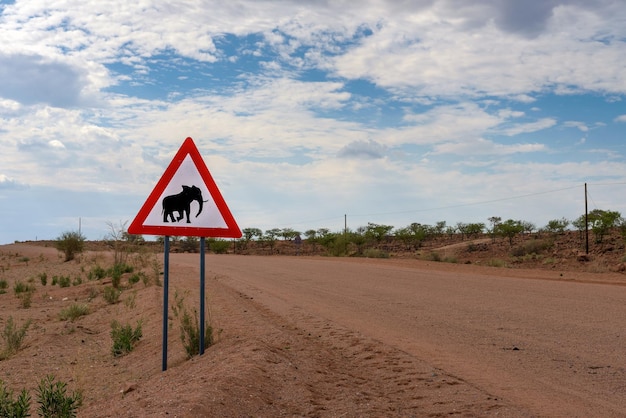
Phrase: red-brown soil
(320, 336)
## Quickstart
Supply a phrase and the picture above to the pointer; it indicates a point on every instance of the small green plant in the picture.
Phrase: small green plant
(111, 295)
(62, 281)
(156, 272)
(20, 287)
(3, 286)
(124, 337)
(96, 273)
(190, 327)
(535, 246)
(54, 401)
(13, 408)
(77, 281)
(73, 312)
(43, 278)
(136, 277)
(93, 293)
(70, 243)
(130, 300)
(13, 337)
(24, 260)
(116, 272)
(496, 262)
(26, 299)
(219, 246)
(375, 253)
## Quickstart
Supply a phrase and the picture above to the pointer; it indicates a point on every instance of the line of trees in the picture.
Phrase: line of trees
(600, 222)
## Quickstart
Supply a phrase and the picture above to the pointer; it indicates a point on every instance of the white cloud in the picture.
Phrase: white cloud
(482, 146)
(520, 128)
(581, 126)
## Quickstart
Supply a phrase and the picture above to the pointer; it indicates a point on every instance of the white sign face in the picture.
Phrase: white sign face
(182, 199)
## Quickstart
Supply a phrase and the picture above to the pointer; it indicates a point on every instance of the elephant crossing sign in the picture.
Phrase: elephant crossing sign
(186, 202)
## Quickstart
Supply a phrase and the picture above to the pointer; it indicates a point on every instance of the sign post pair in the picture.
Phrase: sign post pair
(185, 202)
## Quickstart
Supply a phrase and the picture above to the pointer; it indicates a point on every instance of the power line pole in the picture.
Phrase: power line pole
(586, 223)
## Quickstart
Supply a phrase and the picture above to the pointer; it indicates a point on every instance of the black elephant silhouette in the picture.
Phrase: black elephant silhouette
(181, 203)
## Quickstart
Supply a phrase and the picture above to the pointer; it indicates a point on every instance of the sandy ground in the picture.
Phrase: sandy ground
(332, 337)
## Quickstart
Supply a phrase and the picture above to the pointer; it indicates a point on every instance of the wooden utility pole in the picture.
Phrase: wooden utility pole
(586, 223)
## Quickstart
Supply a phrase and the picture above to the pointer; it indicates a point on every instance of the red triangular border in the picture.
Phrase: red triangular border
(187, 148)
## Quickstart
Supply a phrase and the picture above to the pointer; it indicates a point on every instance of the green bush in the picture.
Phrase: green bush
(54, 401)
(43, 278)
(190, 333)
(97, 272)
(13, 408)
(62, 281)
(3, 286)
(375, 253)
(20, 287)
(13, 337)
(534, 246)
(136, 277)
(190, 327)
(219, 246)
(124, 337)
(111, 295)
(74, 312)
(116, 272)
(70, 243)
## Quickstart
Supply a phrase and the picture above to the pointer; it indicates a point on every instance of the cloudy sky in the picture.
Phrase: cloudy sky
(389, 112)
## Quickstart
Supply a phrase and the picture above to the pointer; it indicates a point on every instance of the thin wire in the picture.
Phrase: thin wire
(605, 184)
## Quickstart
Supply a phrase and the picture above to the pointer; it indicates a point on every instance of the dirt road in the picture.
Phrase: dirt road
(544, 346)
(329, 337)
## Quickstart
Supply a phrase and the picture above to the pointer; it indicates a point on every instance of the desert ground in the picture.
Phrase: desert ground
(326, 337)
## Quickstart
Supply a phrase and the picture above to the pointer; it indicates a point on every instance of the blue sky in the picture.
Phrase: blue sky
(391, 112)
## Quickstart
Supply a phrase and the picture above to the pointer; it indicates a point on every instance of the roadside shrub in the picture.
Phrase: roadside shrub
(96, 272)
(70, 243)
(26, 299)
(124, 337)
(116, 272)
(13, 337)
(43, 278)
(534, 246)
(54, 401)
(496, 262)
(111, 295)
(20, 287)
(375, 253)
(62, 281)
(219, 246)
(73, 312)
(3, 286)
(93, 293)
(190, 327)
(130, 300)
(13, 408)
(136, 277)
(24, 292)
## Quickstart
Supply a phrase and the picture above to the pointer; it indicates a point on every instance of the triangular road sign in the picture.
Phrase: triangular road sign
(186, 202)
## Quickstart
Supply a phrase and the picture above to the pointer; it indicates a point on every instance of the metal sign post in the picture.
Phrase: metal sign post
(202, 327)
(166, 278)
